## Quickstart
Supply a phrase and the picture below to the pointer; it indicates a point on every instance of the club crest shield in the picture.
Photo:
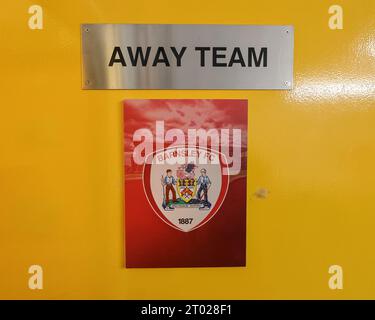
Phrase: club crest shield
(185, 186)
(187, 189)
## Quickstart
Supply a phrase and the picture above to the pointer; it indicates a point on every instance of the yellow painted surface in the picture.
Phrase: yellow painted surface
(313, 148)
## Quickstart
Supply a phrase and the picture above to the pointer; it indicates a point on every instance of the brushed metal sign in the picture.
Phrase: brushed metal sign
(140, 56)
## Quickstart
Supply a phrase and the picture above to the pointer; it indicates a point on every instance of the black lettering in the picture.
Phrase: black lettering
(216, 56)
(178, 55)
(202, 51)
(120, 59)
(163, 59)
(233, 59)
(138, 54)
(257, 61)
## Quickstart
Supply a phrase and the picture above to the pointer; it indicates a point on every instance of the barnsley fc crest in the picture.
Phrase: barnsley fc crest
(186, 186)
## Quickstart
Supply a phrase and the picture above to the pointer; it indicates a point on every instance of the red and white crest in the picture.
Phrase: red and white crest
(186, 186)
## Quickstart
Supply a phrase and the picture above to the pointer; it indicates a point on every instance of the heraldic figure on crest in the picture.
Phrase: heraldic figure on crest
(168, 182)
(204, 183)
(185, 185)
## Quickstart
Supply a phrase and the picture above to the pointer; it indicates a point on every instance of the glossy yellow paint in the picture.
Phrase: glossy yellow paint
(313, 149)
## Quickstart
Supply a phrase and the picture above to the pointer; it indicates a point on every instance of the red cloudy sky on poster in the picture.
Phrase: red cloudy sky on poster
(150, 242)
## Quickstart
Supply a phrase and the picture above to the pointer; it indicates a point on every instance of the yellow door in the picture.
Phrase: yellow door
(311, 154)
